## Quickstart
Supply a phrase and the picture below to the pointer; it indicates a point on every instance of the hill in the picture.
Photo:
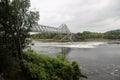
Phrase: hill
(114, 31)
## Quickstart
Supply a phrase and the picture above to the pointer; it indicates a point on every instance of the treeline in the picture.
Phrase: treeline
(86, 35)
(114, 34)
(89, 35)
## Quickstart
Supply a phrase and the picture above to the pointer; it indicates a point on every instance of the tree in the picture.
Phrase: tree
(16, 21)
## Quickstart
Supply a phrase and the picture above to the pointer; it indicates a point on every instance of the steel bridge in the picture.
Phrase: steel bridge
(62, 29)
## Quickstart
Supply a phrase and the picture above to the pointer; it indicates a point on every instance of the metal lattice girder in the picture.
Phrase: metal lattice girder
(61, 29)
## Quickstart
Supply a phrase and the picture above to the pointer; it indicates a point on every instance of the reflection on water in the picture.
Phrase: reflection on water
(101, 62)
(64, 52)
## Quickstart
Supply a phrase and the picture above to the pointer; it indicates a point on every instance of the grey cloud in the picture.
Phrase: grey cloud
(80, 15)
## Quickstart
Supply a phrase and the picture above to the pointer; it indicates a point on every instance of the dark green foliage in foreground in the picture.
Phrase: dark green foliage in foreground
(41, 67)
(16, 20)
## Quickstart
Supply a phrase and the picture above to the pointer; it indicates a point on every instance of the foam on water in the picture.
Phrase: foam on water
(71, 44)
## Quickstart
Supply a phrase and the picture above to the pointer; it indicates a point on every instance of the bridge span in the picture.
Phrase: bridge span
(62, 29)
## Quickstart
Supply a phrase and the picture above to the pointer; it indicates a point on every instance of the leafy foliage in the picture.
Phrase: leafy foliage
(86, 35)
(41, 67)
(114, 34)
(89, 35)
(15, 22)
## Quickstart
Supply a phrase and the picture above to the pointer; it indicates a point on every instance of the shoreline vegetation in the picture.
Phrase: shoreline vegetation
(42, 67)
(79, 37)
(16, 21)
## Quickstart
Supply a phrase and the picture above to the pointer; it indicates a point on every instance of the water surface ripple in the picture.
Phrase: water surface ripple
(98, 60)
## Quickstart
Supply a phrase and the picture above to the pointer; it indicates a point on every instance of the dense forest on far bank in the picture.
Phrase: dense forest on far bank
(86, 35)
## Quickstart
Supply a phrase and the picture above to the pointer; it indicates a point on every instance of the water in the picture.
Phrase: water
(98, 60)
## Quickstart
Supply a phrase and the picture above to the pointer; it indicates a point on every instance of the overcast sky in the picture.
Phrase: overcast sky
(79, 15)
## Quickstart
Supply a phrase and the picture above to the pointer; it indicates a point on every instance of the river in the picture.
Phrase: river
(98, 60)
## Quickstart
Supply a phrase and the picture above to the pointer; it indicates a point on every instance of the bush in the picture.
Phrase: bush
(41, 67)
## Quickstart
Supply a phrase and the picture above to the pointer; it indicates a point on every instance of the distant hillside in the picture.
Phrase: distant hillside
(114, 31)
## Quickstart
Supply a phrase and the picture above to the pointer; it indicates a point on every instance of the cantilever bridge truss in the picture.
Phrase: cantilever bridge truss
(63, 29)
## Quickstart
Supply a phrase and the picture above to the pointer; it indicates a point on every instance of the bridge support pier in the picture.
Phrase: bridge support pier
(69, 37)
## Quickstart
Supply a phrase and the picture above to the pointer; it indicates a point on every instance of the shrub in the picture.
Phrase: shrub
(41, 67)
